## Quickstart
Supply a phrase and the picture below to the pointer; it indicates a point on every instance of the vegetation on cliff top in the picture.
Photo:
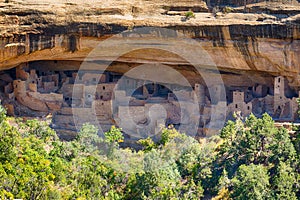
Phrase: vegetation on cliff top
(250, 159)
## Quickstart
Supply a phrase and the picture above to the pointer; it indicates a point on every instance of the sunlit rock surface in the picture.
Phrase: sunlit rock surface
(248, 45)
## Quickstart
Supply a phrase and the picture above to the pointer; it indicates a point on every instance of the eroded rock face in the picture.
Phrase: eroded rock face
(236, 41)
(43, 45)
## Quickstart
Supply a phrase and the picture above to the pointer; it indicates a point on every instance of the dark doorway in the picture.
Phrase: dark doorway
(73, 43)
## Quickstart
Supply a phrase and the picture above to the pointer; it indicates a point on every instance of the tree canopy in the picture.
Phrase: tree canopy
(250, 159)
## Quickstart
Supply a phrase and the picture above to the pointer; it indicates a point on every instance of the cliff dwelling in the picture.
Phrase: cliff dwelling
(248, 55)
(140, 106)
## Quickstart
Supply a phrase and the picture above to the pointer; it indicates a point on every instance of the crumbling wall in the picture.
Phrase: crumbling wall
(104, 91)
(127, 84)
(218, 117)
(21, 73)
(239, 104)
(282, 105)
(216, 92)
(260, 91)
(48, 86)
(67, 90)
(19, 88)
(90, 78)
(103, 110)
(32, 87)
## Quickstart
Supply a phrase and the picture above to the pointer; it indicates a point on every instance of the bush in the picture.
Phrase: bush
(227, 9)
(190, 14)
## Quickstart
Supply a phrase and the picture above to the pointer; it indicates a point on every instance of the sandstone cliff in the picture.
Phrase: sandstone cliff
(69, 30)
(246, 46)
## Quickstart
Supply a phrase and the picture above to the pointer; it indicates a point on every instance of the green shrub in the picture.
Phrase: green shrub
(227, 9)
(190, 14)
